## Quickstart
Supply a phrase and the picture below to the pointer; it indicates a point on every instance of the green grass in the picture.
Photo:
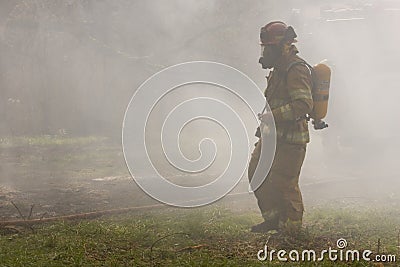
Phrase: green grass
(62, 156)
(210, 236)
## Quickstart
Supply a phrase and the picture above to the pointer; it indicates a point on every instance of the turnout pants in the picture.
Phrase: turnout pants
(279, 197)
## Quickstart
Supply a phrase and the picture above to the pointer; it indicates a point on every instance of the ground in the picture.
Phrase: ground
(50, 176)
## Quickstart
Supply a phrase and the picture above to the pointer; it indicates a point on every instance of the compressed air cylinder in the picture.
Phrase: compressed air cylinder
(321, 79)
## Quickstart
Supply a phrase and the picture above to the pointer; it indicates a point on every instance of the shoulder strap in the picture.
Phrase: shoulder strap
(300, 63)
(310, 68)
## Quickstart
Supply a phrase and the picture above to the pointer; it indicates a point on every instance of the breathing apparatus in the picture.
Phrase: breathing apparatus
(273, 37)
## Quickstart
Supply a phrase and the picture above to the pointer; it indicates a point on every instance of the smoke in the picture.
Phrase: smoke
(74, 65)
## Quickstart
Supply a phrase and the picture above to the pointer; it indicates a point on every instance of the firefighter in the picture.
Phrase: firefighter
(289, 95)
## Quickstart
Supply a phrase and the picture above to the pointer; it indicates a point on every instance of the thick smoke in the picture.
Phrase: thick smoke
(73, 65)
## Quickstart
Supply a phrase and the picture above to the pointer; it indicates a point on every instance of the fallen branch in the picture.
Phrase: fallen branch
(79, 216)
(90, 215)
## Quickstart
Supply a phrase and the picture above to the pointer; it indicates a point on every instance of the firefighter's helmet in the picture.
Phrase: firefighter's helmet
(277, 32)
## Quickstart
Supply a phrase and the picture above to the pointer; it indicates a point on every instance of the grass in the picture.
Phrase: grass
(61, 156)
(210, 236)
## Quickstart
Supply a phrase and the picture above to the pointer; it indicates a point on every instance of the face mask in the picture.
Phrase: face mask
(269, 56)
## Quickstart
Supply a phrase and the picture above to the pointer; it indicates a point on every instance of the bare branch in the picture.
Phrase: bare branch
(19, 211)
